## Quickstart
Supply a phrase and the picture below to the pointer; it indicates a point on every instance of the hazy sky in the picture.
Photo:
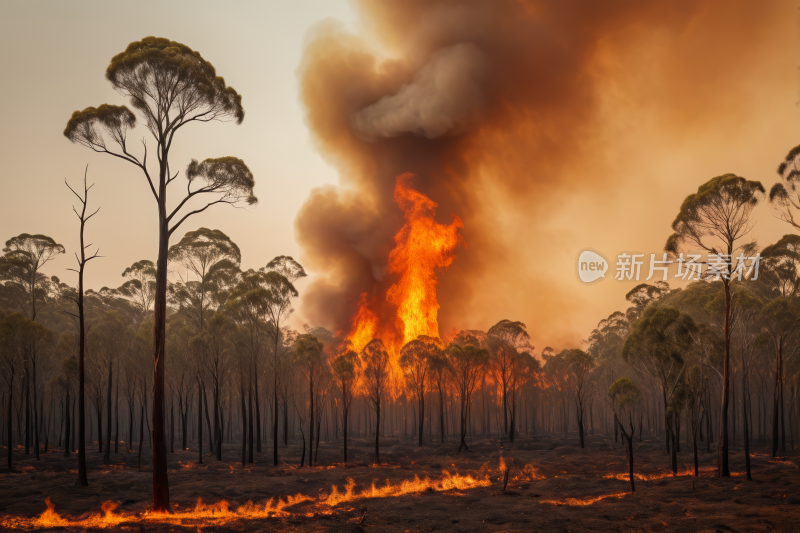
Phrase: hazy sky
(672, 104)
(54, 56)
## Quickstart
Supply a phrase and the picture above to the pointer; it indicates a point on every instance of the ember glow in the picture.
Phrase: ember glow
(585, 501)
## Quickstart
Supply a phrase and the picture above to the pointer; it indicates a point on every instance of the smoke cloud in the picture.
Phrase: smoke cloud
(510, 113)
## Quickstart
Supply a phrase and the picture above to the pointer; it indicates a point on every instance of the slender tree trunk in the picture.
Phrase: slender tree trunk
(345, 409)
(107, 457)
(377, 431)
(723, 470)
(744, 425)
(66, 426)
(141, 437)
(421, 415)
(275, 423)
(199, 421)
(250, 435)
(9, 423)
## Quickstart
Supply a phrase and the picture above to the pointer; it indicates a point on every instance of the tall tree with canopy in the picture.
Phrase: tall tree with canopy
(213, 259)
(715, 219)
(466, 363)
(22, 262)
(657, 346)
(504, 341)
(785, 195)
(375, 359)
(169, 85)
(140, 285)
(346, 371)
(415, 360)
(308, 351)
(581, 382)
(280, 308)
(625, 398)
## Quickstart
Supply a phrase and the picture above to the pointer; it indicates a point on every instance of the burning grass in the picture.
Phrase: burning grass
(429, 486)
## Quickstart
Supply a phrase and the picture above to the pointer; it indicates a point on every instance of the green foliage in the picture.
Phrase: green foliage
(624, 393)
(114, 120)
(175, 69)
(224, 174)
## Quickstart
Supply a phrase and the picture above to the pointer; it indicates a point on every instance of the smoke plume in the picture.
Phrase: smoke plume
(504, 111)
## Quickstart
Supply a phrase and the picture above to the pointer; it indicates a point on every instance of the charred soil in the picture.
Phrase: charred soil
(552, 485)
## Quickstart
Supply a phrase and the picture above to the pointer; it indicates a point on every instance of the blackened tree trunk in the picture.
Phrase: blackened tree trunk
(629, 440)
(116, 415)
(199, 421)
(250, 422)
(722, 447)
(377, 431)
(345, 409)
(776, 396)
(107, 456)
(421, 416)
(9, 426)
(160, 477)
(172, 426)
(66, 426)
(746, 429)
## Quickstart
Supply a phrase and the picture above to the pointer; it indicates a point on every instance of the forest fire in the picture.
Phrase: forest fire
(421, 246)
(221, 512)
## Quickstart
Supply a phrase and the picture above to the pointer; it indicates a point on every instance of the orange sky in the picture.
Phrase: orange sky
(581, 125)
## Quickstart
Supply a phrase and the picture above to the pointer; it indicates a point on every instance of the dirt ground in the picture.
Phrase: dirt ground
(553, 486)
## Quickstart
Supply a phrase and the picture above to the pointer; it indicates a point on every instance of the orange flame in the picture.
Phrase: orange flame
(585, 501)
(365, 324)
(422, 245)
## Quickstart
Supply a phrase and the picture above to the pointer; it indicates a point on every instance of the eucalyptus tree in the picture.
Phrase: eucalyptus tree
(625, 399)
(715, 219)
(747, 308)
(375, 359)
(308, 353)
(214, 260)
(695, 382)
(252, 304)
(440, 378)
(21, 265)
(658, 346)
(169, 85)
(780, 267)
(785, 195)
(346, 368)
(780, 325)
(140, 285)
(504, 341)
(467, 360)
(216, 359)
(415, 360)
(643, 295)
(284, 268)
(112, 336)
(580, 380)
(13, 328)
